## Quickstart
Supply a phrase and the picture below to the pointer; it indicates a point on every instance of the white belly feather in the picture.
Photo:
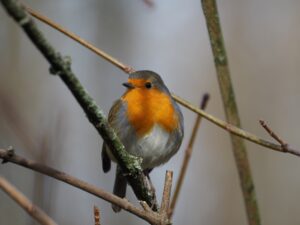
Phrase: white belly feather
(154, 148)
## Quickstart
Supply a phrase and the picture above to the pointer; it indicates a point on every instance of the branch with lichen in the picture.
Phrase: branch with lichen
(230, 107)
(127, 69)
(129, 164)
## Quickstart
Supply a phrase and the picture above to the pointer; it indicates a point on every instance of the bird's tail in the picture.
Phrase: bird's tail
(119, 187)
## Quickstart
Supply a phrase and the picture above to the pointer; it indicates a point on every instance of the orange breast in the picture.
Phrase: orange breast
(147, 107)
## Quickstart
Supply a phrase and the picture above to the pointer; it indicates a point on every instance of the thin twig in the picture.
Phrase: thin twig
(231, 111)
(127, 69)
(10, 156)
(97, 215)
(165, 202)
(34, 211)
(80, 40)
(129, 164)
(187, 156)
(273, 134)
(235, 130)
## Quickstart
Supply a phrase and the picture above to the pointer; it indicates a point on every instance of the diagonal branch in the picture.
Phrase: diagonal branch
(83, 42)
(127, 69)
(34, 211)
(61, 66)
(230, 107)
(236, 130)
(10, 156)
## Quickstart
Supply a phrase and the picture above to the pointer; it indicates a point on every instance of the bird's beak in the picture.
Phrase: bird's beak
(128, 85)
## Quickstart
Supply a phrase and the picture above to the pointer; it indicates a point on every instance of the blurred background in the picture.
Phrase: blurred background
(40, 118)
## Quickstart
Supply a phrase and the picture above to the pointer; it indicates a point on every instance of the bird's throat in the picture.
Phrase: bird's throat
(145, 108)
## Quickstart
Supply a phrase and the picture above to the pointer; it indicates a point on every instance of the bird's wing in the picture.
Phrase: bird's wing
(106, 161)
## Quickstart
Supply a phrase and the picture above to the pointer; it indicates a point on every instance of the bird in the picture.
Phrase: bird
(148, 122)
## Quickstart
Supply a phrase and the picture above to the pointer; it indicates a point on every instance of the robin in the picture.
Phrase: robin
(148, 122)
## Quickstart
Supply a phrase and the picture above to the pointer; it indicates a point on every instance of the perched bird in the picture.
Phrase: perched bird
(148, 122)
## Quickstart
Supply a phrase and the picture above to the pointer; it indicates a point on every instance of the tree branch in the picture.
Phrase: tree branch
(127, 69)
(80, 40)
(61, 66)
(231, 110)
(187, 156)
(34, 211)
(10, 156)
(235, 130)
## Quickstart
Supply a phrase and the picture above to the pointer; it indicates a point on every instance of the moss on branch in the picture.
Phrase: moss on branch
(130, 165)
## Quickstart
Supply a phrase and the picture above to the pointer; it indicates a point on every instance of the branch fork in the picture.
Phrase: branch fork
(162, 214)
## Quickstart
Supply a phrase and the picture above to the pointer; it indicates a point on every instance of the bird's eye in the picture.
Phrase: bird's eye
(148, 85)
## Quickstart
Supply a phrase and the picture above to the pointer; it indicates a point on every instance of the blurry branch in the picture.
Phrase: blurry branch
(149, 215)
(187, 156)
(31, 209)
(231, 110)
(37, 144)
(129, 164)
(127, 69)
(13, 118)
(97, 215)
